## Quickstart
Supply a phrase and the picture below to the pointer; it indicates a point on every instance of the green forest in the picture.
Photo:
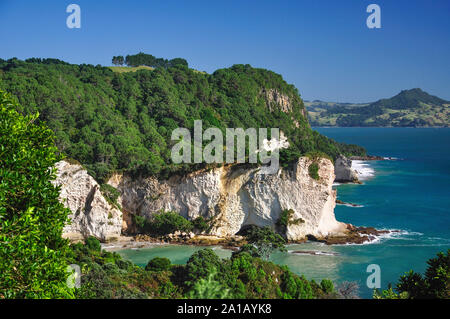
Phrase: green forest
(34, 256)
(122, 121)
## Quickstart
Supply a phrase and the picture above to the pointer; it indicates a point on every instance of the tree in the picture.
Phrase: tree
(286, 219)
(327, 286)
(178, 61)
(201, 264)
(435, 284)
(158, 264)
(93, 244)
(437, 276)
(348, 290)
(32, 250)
(295, 287)
(118, 60)
(265, 240)
(164, 223)
(201, 224)
(208, 289)
(247, 248)
(113, 121)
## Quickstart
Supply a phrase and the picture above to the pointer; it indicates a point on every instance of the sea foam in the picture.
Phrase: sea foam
(363, 169)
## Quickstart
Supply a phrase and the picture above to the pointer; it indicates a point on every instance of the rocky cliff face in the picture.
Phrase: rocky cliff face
(92, 215)
(276, 100)
(344, 172)
(233, 197)
(236, 197)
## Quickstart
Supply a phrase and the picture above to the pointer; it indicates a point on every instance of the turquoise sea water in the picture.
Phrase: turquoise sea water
(410, 194)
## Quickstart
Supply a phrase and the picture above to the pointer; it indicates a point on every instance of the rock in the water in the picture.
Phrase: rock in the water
(356, 235)
(236, 197)
(92, 215)
(344, 172)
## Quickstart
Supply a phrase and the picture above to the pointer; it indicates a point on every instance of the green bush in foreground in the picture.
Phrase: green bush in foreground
(93, 243)
(435, 284)
(32, 251)
(158, 264)
(205, 275)
(208, 289)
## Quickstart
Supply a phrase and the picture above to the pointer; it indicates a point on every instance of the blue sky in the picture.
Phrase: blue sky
(322, 47)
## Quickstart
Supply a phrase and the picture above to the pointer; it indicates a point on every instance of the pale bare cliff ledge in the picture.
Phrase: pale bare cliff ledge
(237, 197)
(92, 214)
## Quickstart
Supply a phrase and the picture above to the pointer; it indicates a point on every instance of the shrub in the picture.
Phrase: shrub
(201, 264)
(287, 219)
(140, 222)
(313, 170)
(327, 286)
(265, 240)
(168, 222)
(434, 284)
(107, 275)
(209, 289)
(158, 264)
(316, 155)
(93, 243)
(294, 287)
(247, 248)
(32, 250)
(348, 290)
(200, 224)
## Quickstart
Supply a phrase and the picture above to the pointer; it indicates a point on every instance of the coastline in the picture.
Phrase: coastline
(354, 235)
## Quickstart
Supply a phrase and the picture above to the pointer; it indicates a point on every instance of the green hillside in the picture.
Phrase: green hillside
(409, 108)
(122, 121)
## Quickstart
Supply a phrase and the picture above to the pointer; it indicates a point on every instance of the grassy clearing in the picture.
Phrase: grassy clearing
(122, 69)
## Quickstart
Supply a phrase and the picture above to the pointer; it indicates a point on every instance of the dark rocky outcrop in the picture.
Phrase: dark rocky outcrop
(366, 158)
(344, 172)
(356, 235)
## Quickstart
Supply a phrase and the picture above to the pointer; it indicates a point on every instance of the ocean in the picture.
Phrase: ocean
(409, 193)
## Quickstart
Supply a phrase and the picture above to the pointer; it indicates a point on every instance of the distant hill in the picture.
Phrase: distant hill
(409, 108)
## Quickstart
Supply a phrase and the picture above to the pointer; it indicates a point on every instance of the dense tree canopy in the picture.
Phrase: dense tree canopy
(150, 60)
(118, 60)
(32, 251)
(205, 275)
(123, 121)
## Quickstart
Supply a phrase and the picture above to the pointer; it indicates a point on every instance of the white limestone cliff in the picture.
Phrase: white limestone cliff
(344, 171)
(237, 197)
(92, 215)
(234, 196)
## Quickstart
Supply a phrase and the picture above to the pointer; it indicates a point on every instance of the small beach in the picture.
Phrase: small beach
(408, 193)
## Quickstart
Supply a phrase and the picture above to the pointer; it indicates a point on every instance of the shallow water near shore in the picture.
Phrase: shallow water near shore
(410, 194)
